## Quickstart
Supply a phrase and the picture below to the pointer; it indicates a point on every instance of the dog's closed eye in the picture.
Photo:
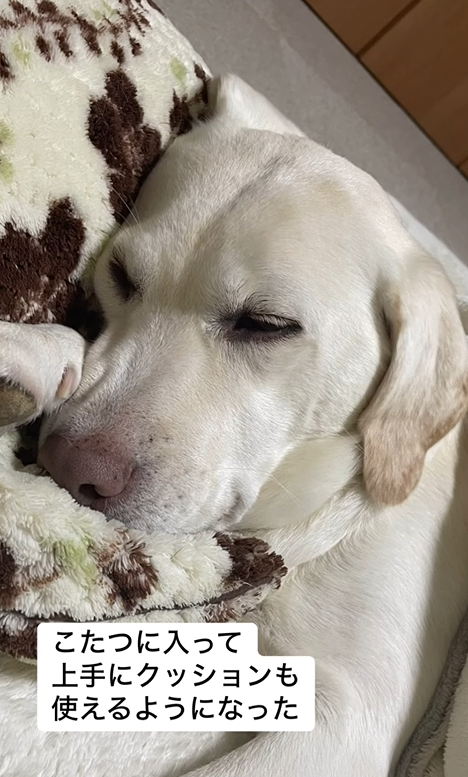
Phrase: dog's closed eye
(124, 285)
(261, 327)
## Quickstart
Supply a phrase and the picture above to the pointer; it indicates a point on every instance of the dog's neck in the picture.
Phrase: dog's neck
(316, 499)
(306, 480)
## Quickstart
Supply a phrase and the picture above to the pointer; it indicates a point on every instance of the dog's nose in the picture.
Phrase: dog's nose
(92, 470)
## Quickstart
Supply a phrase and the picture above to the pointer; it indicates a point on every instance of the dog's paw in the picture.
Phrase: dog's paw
(40, 367)
(16, 405)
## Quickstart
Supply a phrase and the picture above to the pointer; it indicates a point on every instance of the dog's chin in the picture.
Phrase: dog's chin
(145, 516)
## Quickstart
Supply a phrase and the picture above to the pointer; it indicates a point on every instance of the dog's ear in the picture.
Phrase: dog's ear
(233, 101)
(424, 392)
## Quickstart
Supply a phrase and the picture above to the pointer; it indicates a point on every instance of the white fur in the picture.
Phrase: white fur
(376, 591)
(59, 352)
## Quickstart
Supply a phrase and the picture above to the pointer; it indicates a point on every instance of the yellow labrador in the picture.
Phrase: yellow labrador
(281, 356)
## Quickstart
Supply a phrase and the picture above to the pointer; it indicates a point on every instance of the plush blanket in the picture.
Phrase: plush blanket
(62, 561)
(439, 745)
(92, 92)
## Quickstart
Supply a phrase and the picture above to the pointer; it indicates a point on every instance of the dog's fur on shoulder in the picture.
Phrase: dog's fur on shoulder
(280, 356)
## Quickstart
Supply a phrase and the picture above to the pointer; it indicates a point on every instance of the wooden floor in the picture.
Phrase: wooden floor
(417, 50)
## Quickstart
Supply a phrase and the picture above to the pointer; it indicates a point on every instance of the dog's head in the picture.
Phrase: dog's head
(263, 293)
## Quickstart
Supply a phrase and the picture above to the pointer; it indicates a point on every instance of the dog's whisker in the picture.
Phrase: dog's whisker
(132, 211)
(286, 490)
(273, 479)
(355, 440)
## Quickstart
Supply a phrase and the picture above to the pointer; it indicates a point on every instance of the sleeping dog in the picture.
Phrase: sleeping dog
(279, 355)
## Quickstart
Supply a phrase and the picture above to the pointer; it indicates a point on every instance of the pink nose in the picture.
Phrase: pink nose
(92, 469)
